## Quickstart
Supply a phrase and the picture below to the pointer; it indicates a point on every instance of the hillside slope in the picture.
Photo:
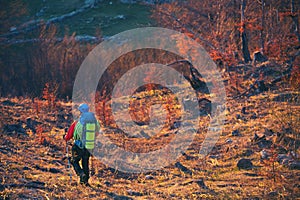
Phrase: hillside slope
(34, 165)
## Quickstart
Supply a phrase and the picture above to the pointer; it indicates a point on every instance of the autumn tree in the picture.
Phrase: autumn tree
(230, 29)
(245, 49)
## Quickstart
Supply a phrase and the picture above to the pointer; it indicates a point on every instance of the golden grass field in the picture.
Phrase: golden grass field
(32, 170)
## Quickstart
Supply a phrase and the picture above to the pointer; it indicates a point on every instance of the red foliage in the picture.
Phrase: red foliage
(216, 55)
(289, 14)
(41, 139)
(295, 78)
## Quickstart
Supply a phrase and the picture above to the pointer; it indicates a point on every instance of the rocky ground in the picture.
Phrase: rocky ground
(248, 161)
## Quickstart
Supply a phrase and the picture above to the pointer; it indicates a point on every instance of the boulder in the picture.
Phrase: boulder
(244, 164)
(295, 165)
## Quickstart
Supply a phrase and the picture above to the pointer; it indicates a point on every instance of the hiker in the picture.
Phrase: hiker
(83, 132)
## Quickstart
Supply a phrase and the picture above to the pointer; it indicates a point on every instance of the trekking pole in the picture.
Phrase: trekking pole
(92, 166)
(69, 163)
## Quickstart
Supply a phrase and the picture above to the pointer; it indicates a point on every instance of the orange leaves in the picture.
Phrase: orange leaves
(226, 57)
(279, 47)
(254, 27)
(251, 25)
(295, 78)
(41, 138)
(191, 35)
(184, 46)
(37, 105)
(241, 29)
(215, 55)
(289, 14)
(49, 94)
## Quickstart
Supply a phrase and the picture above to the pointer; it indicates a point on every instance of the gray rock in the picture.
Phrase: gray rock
(262, 142)
(134, 193)
(175, 125)
(236, 133)
(264, 154)
(107, 183)
(247, 152)
(243, 110)
(183, 168)
(214, 156)
(149, 177)
(144, 135)
(294, 165)
(283, 158)
(253, 116)
(229, 141)
(54, 170)
(201, 183)
(14, 128)
(244, 164)
(268, 132)
(273, 194)
(8, 103)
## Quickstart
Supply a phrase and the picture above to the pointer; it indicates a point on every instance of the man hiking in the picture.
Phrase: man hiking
(83, 131)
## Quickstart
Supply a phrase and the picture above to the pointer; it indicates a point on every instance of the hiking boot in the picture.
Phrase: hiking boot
(83, 178)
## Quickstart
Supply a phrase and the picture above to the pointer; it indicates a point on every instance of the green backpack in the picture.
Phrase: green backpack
(89, 133)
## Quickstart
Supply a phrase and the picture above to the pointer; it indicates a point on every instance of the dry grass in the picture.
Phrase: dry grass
(30, 170)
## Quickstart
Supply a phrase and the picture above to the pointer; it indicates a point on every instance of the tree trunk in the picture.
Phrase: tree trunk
(237, 33)
(262, 39)
(245, 49)
(294, 16)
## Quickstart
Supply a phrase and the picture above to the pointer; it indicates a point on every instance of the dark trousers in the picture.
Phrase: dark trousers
(83, 155)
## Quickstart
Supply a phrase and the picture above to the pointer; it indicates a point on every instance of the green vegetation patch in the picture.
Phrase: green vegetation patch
(107, 17)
